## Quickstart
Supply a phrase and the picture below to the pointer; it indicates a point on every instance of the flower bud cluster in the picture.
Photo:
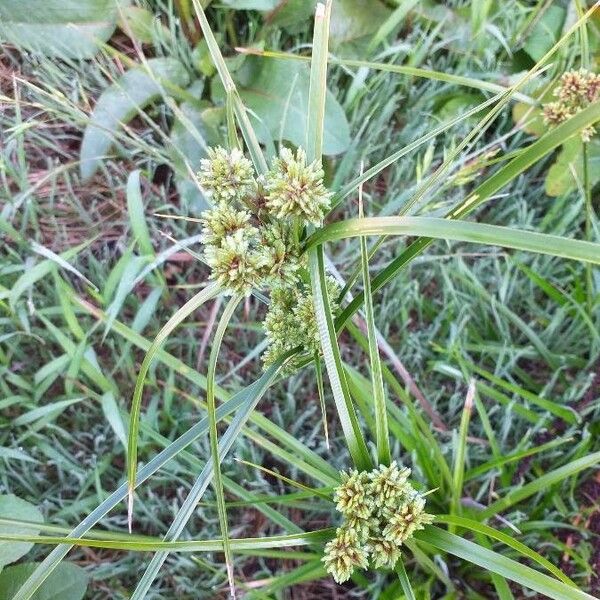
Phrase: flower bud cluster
(251, 234)
(381, 510)
(577, 90)
(291, 321)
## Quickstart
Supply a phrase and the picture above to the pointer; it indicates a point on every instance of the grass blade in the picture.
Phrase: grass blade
(506, 567)
(540, 484)
(195, 494)
(213, 434)
(230, 89)
(404, 581)
(463, 231)
(136, 406)
(458, 475)
(153, 545)
(135, 208)
(381, 423)
(331, 353)
(490, 532)
(53, 559)
(318, 82)
(333, 362)
(471, 82)
(502, 177)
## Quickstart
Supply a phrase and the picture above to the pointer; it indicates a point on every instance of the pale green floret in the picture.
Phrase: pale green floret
(389, 484)
(361, 526)
(234, 263)
(351, 496)
(383, 553)
(282, 254)
(224, 220)
(226, 176)
(291, 320)
(343, 554)
(381, 510)
(406, 519)
(295, 189)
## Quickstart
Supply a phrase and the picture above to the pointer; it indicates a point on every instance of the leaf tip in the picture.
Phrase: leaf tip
(130, 509)
(231, 580)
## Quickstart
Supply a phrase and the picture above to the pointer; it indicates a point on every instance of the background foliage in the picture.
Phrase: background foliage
(107, 111)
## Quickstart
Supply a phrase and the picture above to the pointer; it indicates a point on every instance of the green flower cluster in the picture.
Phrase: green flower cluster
(251, 234)
(577, 90)
(381, 510)
(291, 320)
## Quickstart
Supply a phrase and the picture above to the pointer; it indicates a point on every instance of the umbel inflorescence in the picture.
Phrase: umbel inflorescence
(252, 237)
(577, 90)
(381, 510)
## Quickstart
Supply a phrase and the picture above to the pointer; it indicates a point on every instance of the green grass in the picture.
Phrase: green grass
(523, 326)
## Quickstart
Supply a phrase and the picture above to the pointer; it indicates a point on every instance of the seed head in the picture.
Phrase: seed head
(383, 552)
(577, 90)
(556, 113)
(388, 484)
(351, 496)
(282, 254)
(291, 320)
(343, 554)
(295, 189)
(235, 265)
(226, 176)
(224, 220)
(406, 519)
(578, 87)
(381, 510)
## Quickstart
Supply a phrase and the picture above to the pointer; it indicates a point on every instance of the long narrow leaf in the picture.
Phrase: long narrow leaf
(132, 441)
(463, 231)
(45, 568)
(481, 194)
(381, 422)
(281, 541)
(477, 527)
(540, 484)
(492, 561)
(196, 492)
(333, 362)
(213, 435)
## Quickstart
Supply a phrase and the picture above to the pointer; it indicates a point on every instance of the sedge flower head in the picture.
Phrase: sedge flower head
(383, 553)
(291, 320)
(388, 484)
(234, 263)
(351, 497)
(380, 510)
(226, 176)
(224, 220)
(282, 254)
(343, 554)
(409, 517)
(295, 188)
(576, 91)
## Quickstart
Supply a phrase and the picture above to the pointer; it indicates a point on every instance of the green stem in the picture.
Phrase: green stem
(587, 192)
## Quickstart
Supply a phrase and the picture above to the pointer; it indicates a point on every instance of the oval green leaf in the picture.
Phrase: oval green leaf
(66, 582)
(121, 101)
(64, 28)
(12, 507)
